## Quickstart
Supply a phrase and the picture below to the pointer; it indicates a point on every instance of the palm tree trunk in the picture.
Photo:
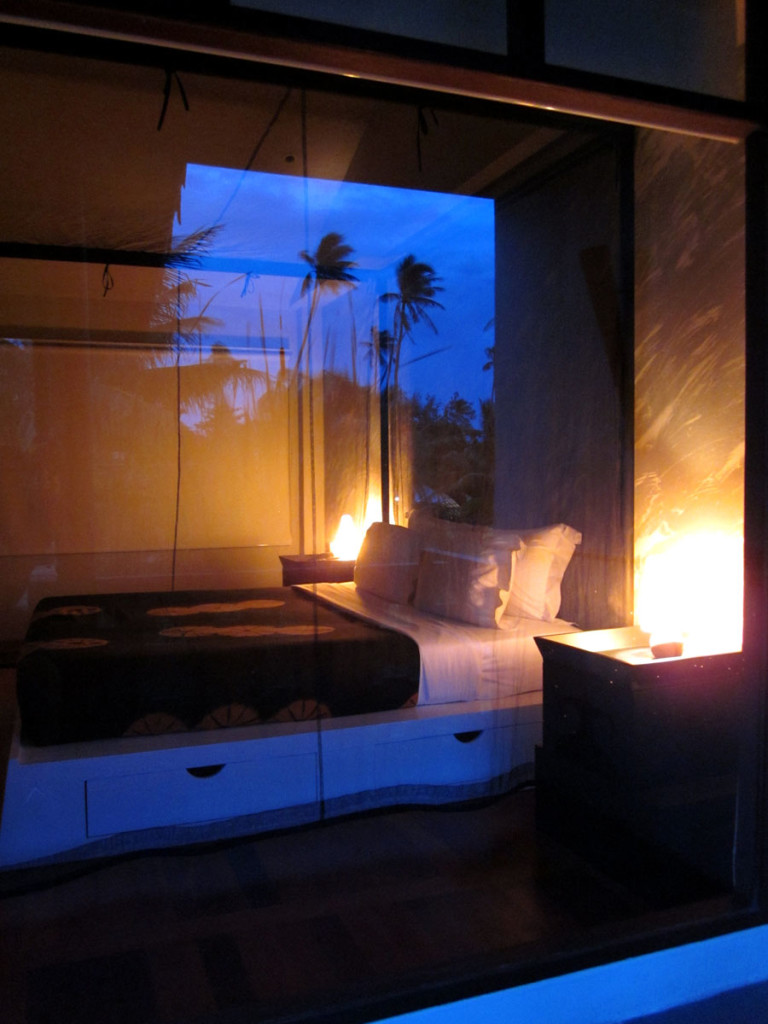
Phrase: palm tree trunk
(304, 346)
(264, 344)
(353, 338)
(396, 424)
(384, 440)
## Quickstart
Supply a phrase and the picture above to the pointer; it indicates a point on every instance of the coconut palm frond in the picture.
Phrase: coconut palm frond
(417, 285)
(407, 316)
(190, 250)
(427, 355)
(306, 284)
(329, 268)
(330, 263)
(416, 279)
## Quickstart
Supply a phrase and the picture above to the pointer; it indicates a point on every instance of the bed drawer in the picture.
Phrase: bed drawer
(125, 803)
(448, 759)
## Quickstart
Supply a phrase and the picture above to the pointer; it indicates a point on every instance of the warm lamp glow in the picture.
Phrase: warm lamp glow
(349, 536)
(692, 592)
(372, 512)
(346, 544)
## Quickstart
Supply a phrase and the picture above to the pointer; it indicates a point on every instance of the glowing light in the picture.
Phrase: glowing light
(692, 592)
(346, 544)
(372, 512)
(349, 536)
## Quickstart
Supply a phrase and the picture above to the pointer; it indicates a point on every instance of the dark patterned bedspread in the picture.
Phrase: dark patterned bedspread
(107, 665)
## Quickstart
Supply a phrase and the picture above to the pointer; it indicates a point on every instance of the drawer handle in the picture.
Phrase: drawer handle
(205, 771)
(468, 737)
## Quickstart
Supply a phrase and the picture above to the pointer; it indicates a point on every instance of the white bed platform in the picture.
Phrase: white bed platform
(110, 797)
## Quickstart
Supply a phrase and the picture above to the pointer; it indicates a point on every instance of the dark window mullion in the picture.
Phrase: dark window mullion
(751, 861)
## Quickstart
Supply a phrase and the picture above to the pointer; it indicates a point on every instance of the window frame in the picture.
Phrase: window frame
(221, 33)
(217, 44)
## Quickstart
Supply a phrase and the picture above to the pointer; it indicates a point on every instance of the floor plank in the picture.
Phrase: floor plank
(281, 925)
(325, 919)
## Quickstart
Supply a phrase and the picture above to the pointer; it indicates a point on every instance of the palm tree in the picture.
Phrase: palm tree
(179, 292)
(417, 285)
(330, 268)
(382, 348)
(415, 296)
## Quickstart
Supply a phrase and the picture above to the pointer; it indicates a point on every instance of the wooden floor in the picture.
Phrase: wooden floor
(349, 920)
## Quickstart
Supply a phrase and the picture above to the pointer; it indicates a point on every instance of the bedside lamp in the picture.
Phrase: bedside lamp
(690, 594)
(346, 544)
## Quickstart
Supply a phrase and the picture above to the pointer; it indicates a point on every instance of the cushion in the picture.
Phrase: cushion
(471, 588)
(535, 592)
(388, 563)
(465, 571)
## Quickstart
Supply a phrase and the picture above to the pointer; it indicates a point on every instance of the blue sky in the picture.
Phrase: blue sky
(267, 219)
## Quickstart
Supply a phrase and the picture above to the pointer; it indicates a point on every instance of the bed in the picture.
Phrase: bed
(156, 719)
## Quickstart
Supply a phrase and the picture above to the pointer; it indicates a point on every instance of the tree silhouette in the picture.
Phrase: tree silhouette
(453, 458)
(221, 384)
(330, 268)
(179, 312)
(415, 297)
(382, 347)
(417, 285)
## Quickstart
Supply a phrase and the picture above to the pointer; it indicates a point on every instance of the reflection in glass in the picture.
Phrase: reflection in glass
(289, 306)
(696, 47)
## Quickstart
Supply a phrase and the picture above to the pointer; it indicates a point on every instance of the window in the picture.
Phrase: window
(210, 354)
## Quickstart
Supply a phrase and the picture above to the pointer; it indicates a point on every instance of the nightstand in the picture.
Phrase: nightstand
(320, 568)
(637, 767)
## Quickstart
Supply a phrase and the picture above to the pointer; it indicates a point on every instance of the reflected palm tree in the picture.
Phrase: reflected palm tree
(415, 297)
(417, 285)
(330, 268)
(179, 310)
(381, 349)
(183, 315)
(222, 382)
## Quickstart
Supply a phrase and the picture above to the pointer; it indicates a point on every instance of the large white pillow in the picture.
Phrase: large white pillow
(388, 562)
(536, 592)
(471, 588)
(471, 578)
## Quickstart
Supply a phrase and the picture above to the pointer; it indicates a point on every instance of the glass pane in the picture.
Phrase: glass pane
(689, 389)
(477, 26)
(693, 46)
(235, 314)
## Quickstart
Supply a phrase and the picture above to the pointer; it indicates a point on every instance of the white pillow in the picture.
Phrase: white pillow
(536, 588)
(388, 562)
(470, 587)
(475, 581)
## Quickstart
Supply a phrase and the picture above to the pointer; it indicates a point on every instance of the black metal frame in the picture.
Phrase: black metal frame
(753, 837)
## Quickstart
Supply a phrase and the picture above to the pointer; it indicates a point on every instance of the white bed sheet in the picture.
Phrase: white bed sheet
(459, 662)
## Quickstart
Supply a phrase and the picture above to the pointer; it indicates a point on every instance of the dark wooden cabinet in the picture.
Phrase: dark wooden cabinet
(638, 762)
(321, 568)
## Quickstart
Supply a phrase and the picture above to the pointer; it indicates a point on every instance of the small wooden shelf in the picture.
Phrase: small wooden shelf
(320, 568)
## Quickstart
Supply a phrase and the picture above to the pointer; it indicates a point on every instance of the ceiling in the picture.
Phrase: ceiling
(100, 150)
